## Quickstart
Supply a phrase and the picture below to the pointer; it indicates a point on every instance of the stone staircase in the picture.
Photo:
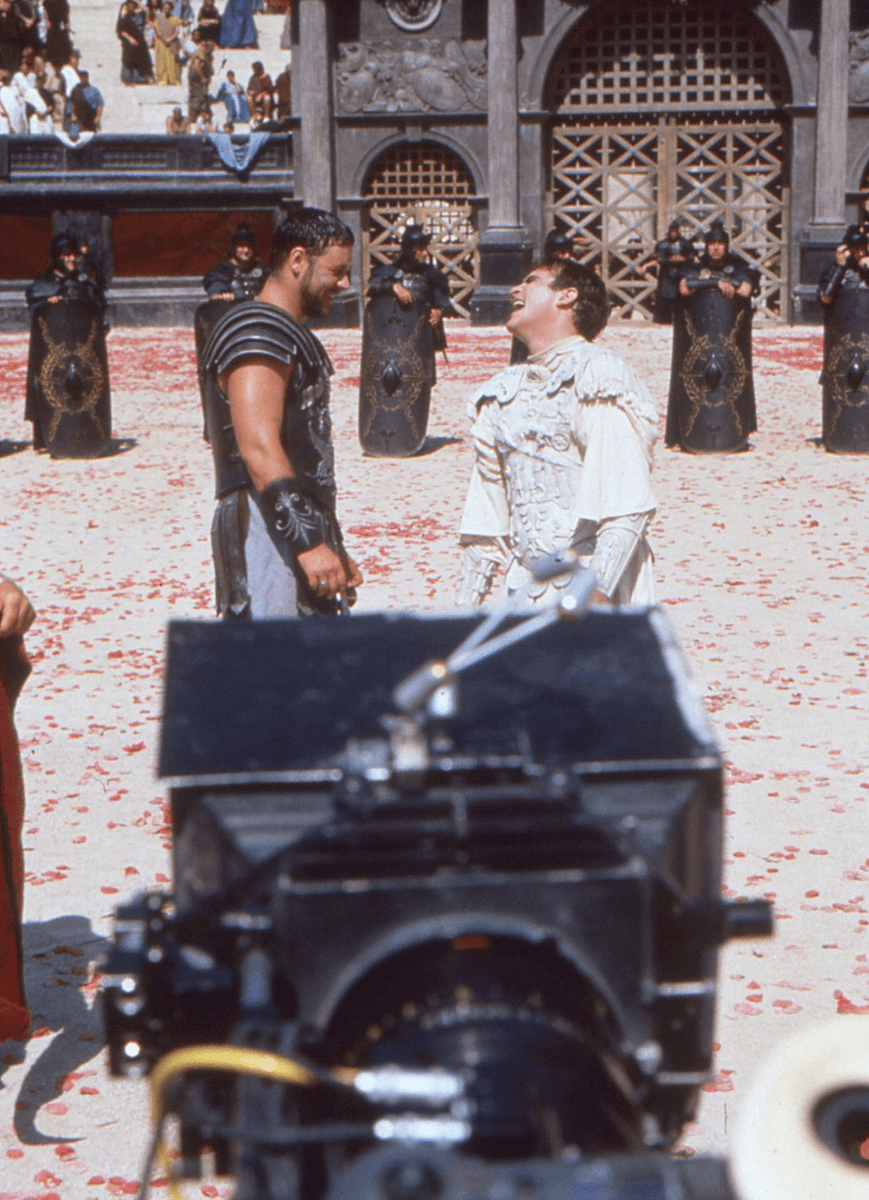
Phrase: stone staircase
(144, 108)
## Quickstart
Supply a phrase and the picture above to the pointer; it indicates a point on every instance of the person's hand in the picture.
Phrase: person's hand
(402, 294)
(324, 571)
(684, 290)
(726, 288)
(744, 290)
(223, 296)
(354, 575)
(435, 315)
(16, 611)
(56, 299)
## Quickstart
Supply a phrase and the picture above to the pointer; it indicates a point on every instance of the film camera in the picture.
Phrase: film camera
(440, 932)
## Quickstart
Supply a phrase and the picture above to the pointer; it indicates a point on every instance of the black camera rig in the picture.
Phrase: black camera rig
(436, 933)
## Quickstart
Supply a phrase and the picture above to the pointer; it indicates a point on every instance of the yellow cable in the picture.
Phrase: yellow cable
(236, 1059)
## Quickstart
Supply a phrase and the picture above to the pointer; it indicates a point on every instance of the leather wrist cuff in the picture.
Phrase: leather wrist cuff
(292, 516)
(834, 282)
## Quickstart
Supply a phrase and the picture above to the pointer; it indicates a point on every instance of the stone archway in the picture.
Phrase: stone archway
(663, 110)
(428, 183)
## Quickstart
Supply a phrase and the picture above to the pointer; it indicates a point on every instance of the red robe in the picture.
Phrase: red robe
(14, 1014)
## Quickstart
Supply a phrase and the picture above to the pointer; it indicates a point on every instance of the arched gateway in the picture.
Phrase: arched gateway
(664, 110)
(428, 183)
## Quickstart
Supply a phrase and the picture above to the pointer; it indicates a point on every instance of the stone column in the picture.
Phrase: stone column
(503, 126)
(831, 128)
(823, 232)
(314, 158)
(503, 248)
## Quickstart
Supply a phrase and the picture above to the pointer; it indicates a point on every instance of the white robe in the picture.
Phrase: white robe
(563, 453)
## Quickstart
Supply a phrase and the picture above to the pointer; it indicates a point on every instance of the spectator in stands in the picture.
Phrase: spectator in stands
(136, 64)
(44, 122)
(149, 13)
(177, 123)
(87, 105)
(58, 45)
(203, 122)
(13, 120)
(208, 23)
(260, 91)
(11, 37)
(37, 107)
(69, 73)
(29, 15)
(167, 46)
(199, 73)
(237, 28)
(52, 85)
(233, 98)
(283, 107)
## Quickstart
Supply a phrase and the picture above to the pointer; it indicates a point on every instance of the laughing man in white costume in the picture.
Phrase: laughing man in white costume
(563, 451)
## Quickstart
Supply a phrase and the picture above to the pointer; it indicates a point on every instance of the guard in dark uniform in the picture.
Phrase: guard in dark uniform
(672, 255)
(844, 293)
(68, 395)
(711, 404)
(403, 329)
(239, 277)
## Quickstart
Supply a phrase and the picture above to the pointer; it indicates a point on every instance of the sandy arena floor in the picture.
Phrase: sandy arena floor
(760, 567)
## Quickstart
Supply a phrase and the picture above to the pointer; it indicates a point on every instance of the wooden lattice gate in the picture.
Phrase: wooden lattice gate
(427, 183)
(661, 111)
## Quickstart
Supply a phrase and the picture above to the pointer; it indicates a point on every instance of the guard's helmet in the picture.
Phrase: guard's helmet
(243, 236)
(717, 233)
(556, 244)
(414, 235)
(854, 237)
(61, 244)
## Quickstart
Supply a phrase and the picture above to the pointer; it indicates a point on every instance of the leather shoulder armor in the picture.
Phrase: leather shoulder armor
(254, 328)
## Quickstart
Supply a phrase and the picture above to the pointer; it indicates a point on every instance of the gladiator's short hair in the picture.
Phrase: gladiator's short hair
(314, 229)
(592, 306)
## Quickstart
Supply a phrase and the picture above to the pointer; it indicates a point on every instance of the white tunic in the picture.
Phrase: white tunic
(563, 459)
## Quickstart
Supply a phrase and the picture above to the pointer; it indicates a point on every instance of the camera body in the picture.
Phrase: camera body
(504, 911)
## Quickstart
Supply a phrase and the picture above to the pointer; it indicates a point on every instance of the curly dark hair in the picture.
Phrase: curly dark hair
(314, 229)
(592, 306)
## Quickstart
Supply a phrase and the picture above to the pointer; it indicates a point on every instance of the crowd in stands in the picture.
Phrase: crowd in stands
(43, 88)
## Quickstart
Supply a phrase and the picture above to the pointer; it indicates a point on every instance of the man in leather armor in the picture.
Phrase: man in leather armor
(242, 275)
(412, 276)
(277, 544)
(563, 452)
(68, 395)
(844, 293)
(408, 299)
(671, 255)
(711, 405)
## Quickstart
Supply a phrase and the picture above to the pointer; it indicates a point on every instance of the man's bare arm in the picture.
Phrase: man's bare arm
(256, 391)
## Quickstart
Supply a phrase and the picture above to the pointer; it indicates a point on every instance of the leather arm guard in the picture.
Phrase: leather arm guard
(295, 521)
(480, 563)
(616, 543)
(829, 290)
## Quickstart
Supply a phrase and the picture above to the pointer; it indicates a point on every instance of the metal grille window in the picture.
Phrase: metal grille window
(643, 55)
(634, 143)
(427, 183)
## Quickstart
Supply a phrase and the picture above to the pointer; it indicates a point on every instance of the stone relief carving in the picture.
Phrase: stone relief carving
(858, 68)
(427, 75)
(414, 15)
